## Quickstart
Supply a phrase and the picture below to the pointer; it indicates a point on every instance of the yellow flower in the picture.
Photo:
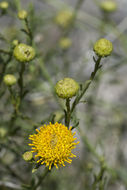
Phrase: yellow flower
(53, 144)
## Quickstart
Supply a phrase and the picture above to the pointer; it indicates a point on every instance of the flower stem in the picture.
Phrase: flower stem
(68, 113)
(87, 84)
(20, 81)
(5, 51)
(98, 180)
(46, 171)
(29, 32)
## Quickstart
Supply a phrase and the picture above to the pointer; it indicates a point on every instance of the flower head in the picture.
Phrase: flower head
(103, 47)
(22, 14)
(4, 5)
(53, 144)
(64, 18)
(24, 53)
(66, 88)
(15, 42)
(108, 6)
(3, 132)
(10, 80)
(65, 43)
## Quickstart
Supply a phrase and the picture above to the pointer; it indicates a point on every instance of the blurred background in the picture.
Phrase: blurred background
(101, 115)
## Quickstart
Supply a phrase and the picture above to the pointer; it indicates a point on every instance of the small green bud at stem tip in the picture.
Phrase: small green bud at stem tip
(27, 156)
(9, 80)
(66, 88)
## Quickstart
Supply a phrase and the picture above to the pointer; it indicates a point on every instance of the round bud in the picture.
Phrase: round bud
(15, 42)
(3, 132)
(22, 15)
(108, 6)
(65, 43)
(27, 156)
(4, 5)
(66, 88)
(24, 53)
(64, 18)
(9, 79)
(103, 47)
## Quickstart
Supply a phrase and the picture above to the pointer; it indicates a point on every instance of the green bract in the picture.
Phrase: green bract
(24, 53)
(66, 88)
(10, 80)
(103, 47)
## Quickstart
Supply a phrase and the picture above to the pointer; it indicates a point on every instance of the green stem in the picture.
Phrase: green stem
(97, 66)
(29, 32)
(5, 51)
(46, 171)
(13, 118)
(20, 81)
(68, 113)
(98, 180)
(87, 84)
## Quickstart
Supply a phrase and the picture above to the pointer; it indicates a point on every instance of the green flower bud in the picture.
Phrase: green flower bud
(22, 15)
(64, 18)
(103, 47)
(24, 53)
(15, 42)
(27, 156)
(108, 6)
(65, 43)
(3, 132)
(4, 5)
(66, 88)
(9, 80)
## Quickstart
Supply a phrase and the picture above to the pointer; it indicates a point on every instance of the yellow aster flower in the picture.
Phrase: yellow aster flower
(53, 144)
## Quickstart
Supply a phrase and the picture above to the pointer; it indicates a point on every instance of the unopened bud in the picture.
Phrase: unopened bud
(24, 53)
(9, 79)
(103, 47)
(66, 88)
(27, 156)
(22, 15)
